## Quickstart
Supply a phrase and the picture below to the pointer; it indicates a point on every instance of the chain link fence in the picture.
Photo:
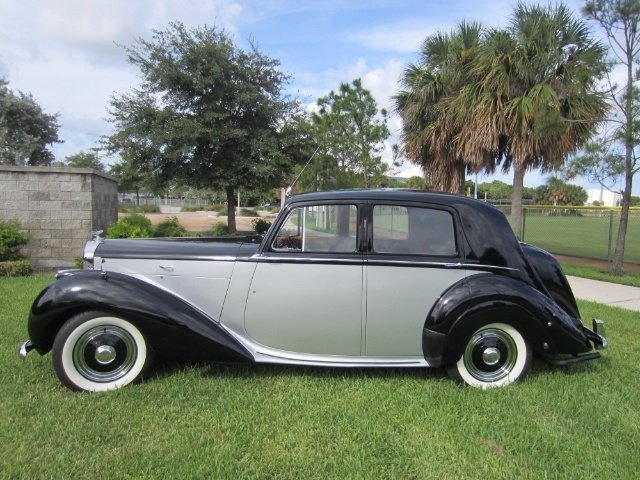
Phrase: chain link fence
(585, 232)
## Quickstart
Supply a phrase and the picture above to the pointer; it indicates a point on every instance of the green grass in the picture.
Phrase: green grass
(215, 421)
(581, 236)
(595, 273)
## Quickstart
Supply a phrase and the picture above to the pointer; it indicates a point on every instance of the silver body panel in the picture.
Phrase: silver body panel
(398, 301)
(203, 284)
(305, 313)
(306, 308)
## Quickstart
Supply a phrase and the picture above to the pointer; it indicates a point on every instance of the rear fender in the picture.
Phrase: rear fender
(173, 327)
(488, 298)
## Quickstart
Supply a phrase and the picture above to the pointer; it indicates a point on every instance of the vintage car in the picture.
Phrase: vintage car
(368, 278)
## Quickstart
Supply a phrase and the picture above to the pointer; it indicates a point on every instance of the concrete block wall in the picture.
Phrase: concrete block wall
(59, 207)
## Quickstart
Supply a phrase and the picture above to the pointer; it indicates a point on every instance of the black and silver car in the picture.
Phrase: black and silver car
(371, 278)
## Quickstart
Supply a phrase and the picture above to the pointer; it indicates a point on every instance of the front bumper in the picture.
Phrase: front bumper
(25, 348)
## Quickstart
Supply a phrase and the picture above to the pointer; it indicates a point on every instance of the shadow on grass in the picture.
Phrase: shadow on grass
(166, 368)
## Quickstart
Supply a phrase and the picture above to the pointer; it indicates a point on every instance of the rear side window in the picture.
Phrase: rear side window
(413, 231)
(319, 228)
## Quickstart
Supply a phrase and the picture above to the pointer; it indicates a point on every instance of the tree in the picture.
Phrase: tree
(528, 99)
(614, 154)
(25, 130)
(536, 101)
(84, 160)
(350, 132)
(495, 190)
(129, 178)
(207, 113)
(428, 139)
(416, 182)
(557, 192)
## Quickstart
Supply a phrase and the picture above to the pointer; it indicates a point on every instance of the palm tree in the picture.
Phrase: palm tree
(443, 70)
(536, 100)
(523, 98)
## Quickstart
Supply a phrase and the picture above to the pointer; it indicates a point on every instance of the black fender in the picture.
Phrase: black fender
(173, 328)
(487, 298)
(551, 277)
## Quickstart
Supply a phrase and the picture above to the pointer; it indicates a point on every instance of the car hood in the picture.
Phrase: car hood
(179, 248)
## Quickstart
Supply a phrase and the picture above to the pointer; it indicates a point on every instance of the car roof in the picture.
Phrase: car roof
(396, 194)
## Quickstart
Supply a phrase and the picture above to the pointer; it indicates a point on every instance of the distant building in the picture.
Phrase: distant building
(604, 197)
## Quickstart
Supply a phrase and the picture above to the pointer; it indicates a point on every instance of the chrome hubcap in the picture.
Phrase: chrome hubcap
(105, 353)
(490, 355)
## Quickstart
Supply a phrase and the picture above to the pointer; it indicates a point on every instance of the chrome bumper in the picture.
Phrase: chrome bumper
(25, 348)
(599, 330)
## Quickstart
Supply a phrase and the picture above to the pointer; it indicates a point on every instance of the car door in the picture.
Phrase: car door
(411, 251)
(306, 292)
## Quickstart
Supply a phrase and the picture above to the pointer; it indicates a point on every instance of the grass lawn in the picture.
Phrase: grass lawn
(581, 236)
(215, 421)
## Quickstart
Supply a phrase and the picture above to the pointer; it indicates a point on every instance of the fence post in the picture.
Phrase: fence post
(610, 238)
(524, 222)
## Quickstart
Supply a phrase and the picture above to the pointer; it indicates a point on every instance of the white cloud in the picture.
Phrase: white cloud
(394, 38)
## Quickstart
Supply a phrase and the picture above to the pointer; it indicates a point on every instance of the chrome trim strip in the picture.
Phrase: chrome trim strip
(263, 354)
(339, 361)
(283, 259)
(370, 261)
(206, 258)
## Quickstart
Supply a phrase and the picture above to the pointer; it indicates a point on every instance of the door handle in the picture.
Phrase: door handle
(168, 268)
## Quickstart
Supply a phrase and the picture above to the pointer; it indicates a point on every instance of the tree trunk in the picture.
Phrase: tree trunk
(516, 200)
(231, 210)
(618, 257)
(459, 182)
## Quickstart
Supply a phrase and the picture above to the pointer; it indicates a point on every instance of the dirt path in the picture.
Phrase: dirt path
(628, 267)
(203, 221)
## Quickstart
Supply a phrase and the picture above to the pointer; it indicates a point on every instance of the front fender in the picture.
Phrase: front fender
(173, 327)
(488, 298)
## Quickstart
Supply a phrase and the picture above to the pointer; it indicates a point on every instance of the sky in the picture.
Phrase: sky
(69, 53)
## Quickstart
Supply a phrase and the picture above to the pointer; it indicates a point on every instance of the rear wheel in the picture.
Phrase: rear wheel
(495, 355)
(97, 351)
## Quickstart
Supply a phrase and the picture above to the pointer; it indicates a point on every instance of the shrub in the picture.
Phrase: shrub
(15, 268)
(170, 228)
(133, 226)
(203, 208)
(129, 208)
(78, 262)
(260, 226)
(220, 229)
(248, 212)
(11, 239)
(192, 208)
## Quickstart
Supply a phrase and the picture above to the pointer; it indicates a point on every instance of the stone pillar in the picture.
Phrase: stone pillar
(59, 207)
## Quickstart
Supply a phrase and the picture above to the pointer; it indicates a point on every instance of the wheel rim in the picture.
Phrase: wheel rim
(490, 355)
(105, 353)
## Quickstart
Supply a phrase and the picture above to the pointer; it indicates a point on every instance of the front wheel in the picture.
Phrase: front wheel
(495, 355)
(97, 351)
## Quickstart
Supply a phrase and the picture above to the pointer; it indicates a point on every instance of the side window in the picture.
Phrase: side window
(413, 231)
(318, 228)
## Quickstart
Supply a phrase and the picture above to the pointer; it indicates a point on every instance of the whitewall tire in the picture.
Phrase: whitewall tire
(495, 355)
(97, 351)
